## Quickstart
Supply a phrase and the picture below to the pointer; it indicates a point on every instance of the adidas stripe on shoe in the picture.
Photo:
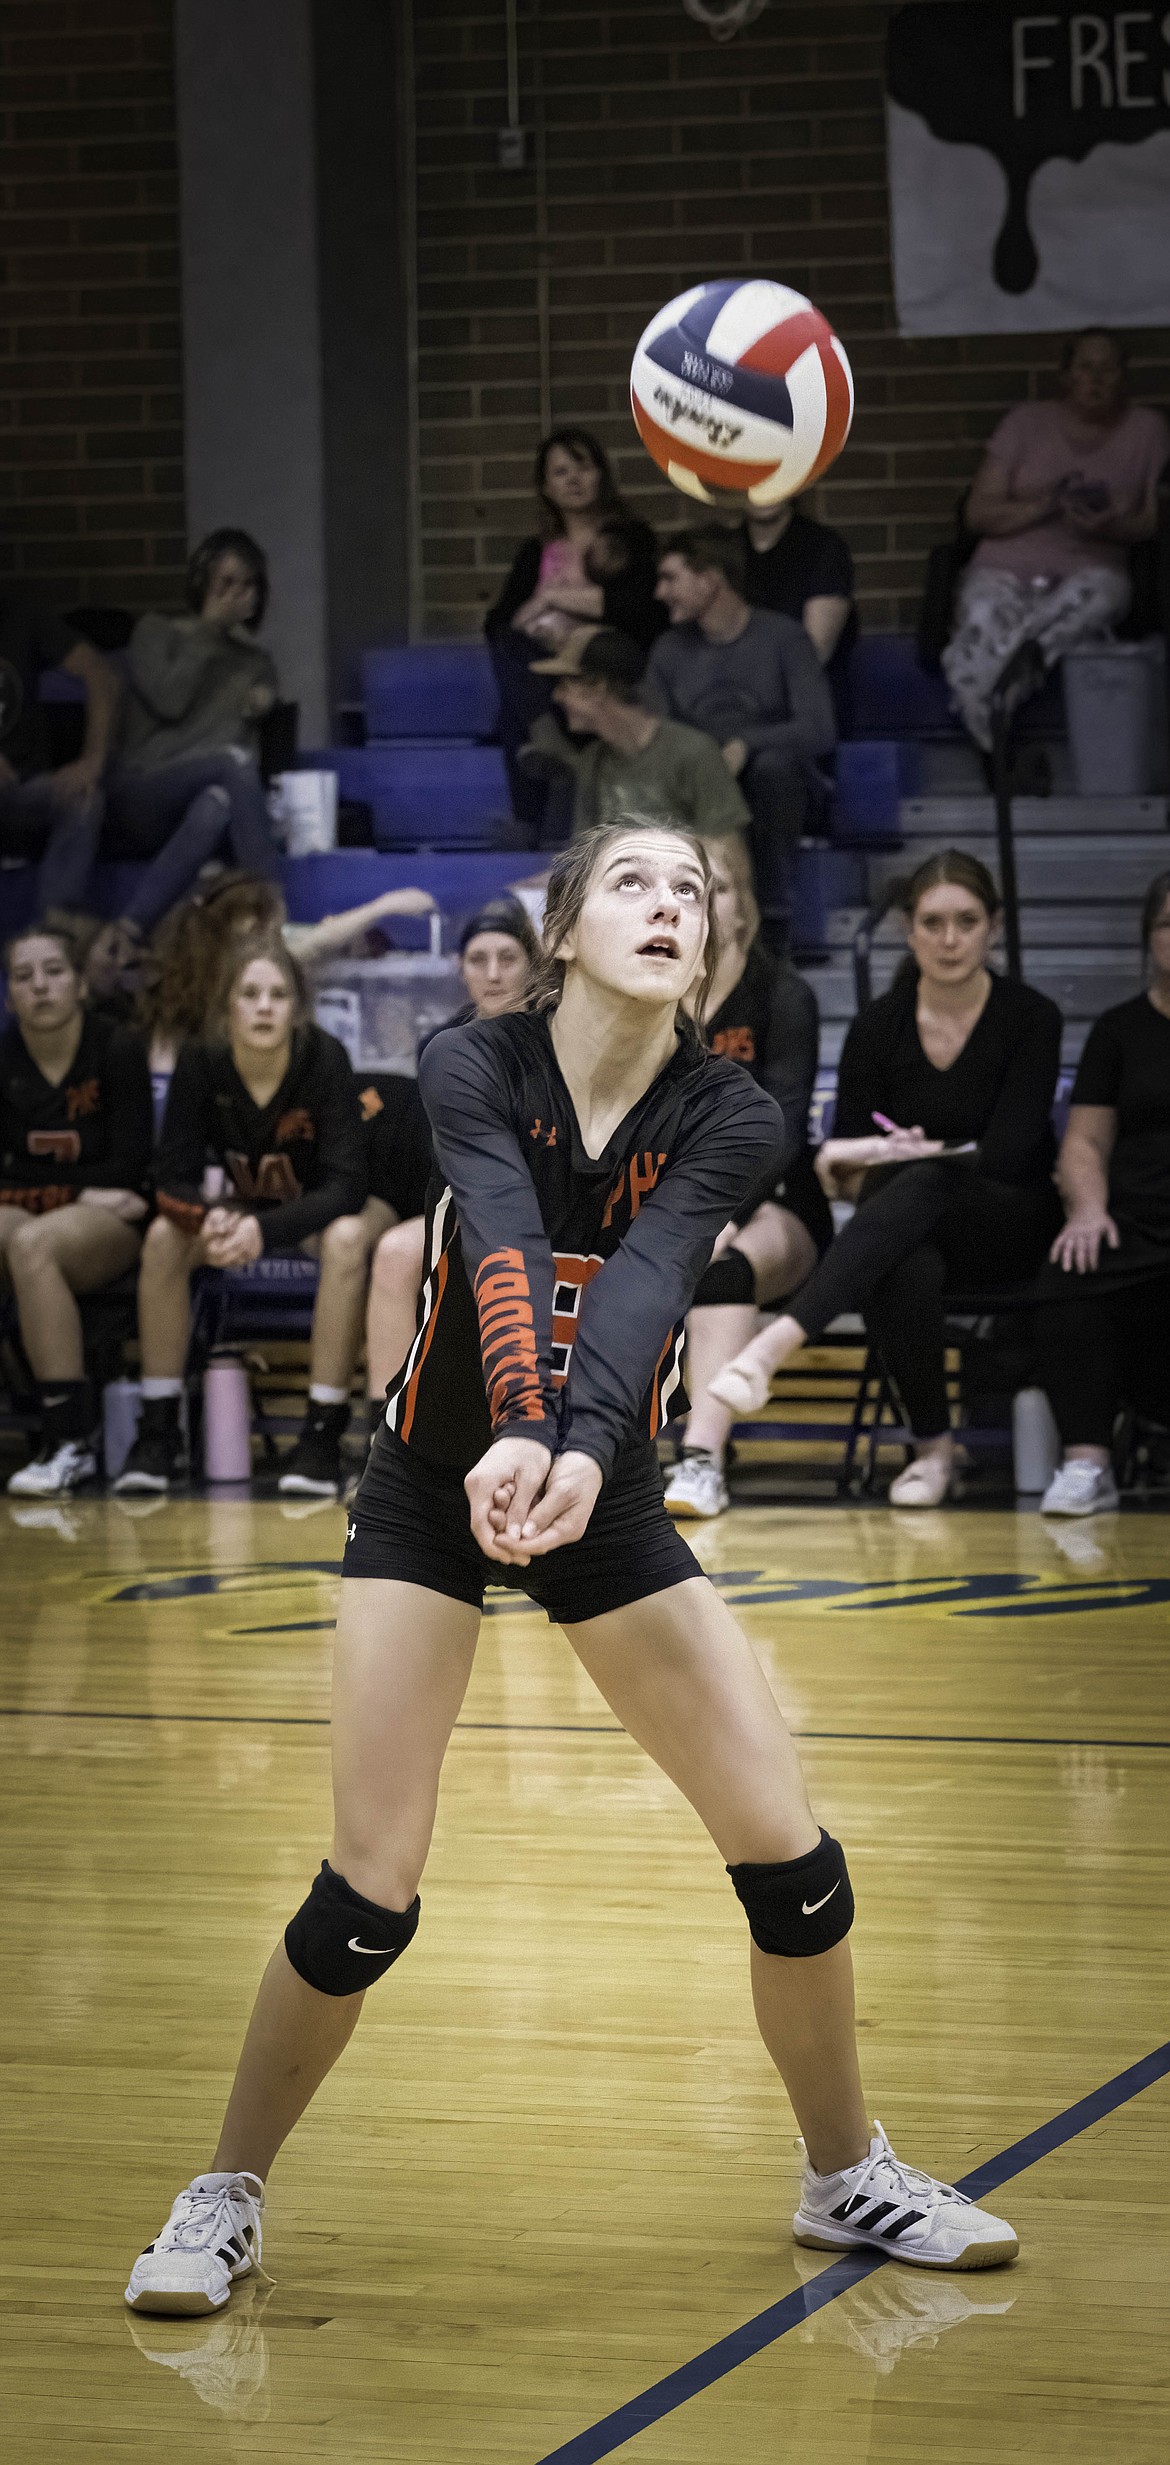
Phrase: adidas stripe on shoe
(211, 2237)
(884, 2205)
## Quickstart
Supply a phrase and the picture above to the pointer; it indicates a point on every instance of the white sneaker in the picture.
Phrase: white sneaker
(1078, 1488)
(896, 2209)
(55, 1471)
(211, 2237)
(696, 1486)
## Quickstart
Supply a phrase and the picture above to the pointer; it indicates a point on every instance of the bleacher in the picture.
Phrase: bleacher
(422, 758)
(907, 780)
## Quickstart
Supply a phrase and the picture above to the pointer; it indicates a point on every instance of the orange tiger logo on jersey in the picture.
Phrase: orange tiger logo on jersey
(637, 1179)
(735, 1043)
(83, 1099)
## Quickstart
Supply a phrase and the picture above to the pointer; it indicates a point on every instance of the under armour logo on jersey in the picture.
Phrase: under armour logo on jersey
(351, 1532)
(538, 1131)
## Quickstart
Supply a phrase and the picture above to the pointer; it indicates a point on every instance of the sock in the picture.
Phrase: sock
(160, 1390)
(66, 1410)
(162, 1412)
(376, 1412)
(328, 1395)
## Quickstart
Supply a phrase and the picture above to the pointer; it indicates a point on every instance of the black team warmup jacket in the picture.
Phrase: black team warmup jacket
(93, 1132)
(294, 1163)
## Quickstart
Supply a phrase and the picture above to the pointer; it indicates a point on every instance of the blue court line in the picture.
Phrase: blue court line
(584, 1728)
(640, 2412)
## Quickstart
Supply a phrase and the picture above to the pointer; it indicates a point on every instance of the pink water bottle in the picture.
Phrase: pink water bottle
(227, 1420)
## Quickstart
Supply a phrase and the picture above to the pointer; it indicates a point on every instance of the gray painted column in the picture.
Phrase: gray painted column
(293, 327)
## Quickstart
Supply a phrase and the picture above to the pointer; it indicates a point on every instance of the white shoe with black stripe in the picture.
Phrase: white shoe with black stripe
(211, 2237)
(883, 2205)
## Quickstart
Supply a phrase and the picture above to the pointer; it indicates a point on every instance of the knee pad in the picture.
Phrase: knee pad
(730, 1278)
(339, 1942)
(800, 1907)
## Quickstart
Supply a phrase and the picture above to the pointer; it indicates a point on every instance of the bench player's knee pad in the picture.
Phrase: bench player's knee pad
(730, 1278)
(800, 1907)
(339, 1942)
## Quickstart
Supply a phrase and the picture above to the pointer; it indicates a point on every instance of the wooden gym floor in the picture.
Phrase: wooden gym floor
(554, 2170)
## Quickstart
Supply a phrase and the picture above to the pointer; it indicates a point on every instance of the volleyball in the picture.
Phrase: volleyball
(741, 389)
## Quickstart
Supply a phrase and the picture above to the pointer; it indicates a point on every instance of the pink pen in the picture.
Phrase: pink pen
(883, 1121)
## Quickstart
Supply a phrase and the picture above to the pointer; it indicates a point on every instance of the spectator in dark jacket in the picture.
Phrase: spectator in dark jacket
(591, 562)
(800, 567)
(46, 815)
(753, 681)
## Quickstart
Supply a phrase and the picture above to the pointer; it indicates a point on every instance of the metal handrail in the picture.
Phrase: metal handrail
(1016, 683)
(863, 941)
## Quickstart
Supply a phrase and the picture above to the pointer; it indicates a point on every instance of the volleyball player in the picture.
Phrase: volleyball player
(272, 1107)
(589, 1152)
(75, 1131)
(498, 952)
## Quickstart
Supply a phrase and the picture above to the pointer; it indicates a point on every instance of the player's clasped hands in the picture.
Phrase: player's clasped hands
(526, 1502)
(231, 1239)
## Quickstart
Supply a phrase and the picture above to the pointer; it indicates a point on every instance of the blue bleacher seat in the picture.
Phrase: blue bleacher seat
(430, 689)
(433, 795)
(871, 780)
(822, 878)
(892, 696)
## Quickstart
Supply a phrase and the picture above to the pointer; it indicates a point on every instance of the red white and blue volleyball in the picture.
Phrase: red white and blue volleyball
(741, 389)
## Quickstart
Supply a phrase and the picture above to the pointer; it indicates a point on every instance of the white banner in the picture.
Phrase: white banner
(1029, 159)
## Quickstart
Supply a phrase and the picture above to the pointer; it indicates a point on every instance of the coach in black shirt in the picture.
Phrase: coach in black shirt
(801, 568)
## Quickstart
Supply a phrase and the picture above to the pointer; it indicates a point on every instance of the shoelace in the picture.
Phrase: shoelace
(916, 2189)
(206, 2218)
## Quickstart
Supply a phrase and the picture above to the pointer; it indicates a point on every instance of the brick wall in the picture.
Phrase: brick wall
(669, 158)
(91, 476)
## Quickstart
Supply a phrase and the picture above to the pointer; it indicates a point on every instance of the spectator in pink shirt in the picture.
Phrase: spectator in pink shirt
(1064, 489)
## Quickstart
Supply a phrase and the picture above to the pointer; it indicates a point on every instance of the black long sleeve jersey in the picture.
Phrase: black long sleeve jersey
(93, 1131)
(294, 1163)
(556, 1284)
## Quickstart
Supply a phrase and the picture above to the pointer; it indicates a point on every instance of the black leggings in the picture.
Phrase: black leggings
(926, 1230)
(1100, 1348)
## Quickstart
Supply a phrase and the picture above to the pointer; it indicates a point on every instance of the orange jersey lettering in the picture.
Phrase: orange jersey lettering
(507, 1335)
(736, 1043)
(641, 1173)
(63, 1145)
(273, 1180)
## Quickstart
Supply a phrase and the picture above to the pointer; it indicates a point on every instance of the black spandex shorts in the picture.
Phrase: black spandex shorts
(411, 1523)
(801, 1193)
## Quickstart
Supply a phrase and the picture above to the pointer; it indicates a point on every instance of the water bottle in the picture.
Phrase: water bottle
(1036, 1448)
(121, 1407)
(227, 1420)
